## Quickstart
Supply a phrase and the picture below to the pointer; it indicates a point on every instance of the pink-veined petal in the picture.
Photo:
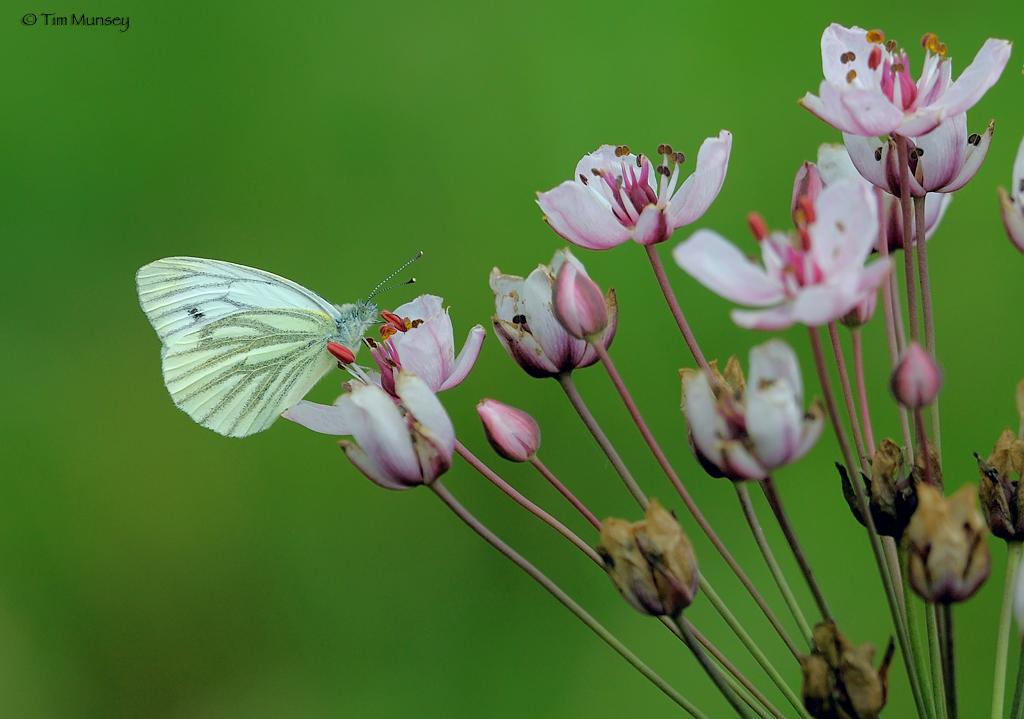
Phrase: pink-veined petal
(322, 418)
(702, 416)
(774, 422)
(973, 157)
(721, 267)
(814, 421)
(701, 188)
(775, 318)
(846, 226)
(1013, 219)
(836, 42)
(739, 463)
(976, 78)
(382, 433)
(942, 152)
(466, 358)
(428, 351)
(432, 419)
(582, 217)
(869, 156)
(773, 360)
(373, 471)
(524, 349)
(652, 227)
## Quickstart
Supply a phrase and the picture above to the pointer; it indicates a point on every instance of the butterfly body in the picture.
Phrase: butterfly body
(241, 345)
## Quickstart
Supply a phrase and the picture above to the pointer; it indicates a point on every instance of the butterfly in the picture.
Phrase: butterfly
(241, 345)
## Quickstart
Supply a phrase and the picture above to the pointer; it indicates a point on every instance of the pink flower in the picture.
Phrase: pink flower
(527, 327)
(1013, 209)
(745, 429)
(419, 339)
(916, 380)
(868, 89)
(512, 432)
(835, 164)
(400, 442)
(812, 279)
(579, 304)
(944, 160)
(616, 195)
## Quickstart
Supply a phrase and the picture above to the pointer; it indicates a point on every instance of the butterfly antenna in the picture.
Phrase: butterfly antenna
(383, 286)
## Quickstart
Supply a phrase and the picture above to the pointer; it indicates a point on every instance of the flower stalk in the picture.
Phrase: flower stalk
(1013, 554)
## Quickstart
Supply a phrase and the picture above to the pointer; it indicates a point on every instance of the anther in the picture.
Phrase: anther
(387, 332)
(974, 139)
(930, 42)
(343, 354)
(519, 320)
(891, 45)
(678, 158)
(919, 152)
(583, 179)
(595, 172)
(942, 49)
(875, 37)
(898, 68)
(851, 76)
(622, 150)
(664, 149)
(847, 57)
(415, 323)
(662, 170)
(875, 58)
(639, 160)
(878, 154)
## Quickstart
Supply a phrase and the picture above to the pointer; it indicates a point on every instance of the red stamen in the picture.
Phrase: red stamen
(394, 320)
(875, 58)
(341, 352)
(757, 225)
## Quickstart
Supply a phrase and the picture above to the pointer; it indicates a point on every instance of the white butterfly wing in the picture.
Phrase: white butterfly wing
(240, 345)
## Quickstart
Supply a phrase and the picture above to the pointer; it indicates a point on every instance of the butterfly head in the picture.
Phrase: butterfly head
(354, 320)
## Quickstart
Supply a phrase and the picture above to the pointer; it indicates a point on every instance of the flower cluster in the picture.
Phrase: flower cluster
(881, 192)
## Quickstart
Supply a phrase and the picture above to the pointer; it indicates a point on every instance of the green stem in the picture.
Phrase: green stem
(568, 602)
(1003, 636)
(902, 636)
(938, 682)
(751, 645)
(1017, 708)
(769, 558)
(948, 657)
(912, 606)
(713, 671)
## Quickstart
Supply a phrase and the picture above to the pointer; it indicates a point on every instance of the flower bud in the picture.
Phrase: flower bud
(947, 554)
(999, 489)
(579, 305)
(890, 488)
(512, 432)
(840, 680)
(651, 562)
(917, 379)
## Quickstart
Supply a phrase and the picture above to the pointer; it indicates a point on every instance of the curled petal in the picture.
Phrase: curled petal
(870, 156)
(775, 360)
(652, 226)
(942, 153)
(582, 217)
(382, 433)
(466, 359)
(721, 267)
(524, 349)
(776, 318)
(739, 463)
(814, 421)
(373, 471)
(702, 187)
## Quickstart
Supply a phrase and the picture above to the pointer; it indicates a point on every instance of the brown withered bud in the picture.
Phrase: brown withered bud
(840, 680)
(947, 554)
(999, 488)
(651, 562)
(890, 488)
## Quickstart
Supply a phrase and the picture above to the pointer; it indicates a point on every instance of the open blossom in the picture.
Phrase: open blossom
(869, 90)
(812, 278)
(617, 196)
(745, 429)
(835, 164)
(400, 441)
(1013, 202)
(944, 160)
(419, 338)
(526, 325)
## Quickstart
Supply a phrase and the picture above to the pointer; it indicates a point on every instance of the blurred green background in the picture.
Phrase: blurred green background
(151, 568)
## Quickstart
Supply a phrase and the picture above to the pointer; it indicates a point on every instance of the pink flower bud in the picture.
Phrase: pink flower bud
(512, 432)
(579, 305)
(916, 381)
